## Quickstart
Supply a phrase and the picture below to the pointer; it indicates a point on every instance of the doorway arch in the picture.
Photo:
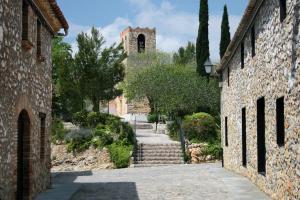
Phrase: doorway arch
(141, 43)
(23, 156)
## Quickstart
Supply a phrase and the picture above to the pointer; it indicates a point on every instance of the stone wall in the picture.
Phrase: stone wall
(273, 72)
(25, 83)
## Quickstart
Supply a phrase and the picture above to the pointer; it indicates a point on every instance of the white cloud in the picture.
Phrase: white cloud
(174, 28)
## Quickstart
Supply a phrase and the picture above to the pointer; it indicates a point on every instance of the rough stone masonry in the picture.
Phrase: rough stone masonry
(259, 70)
(26, 31)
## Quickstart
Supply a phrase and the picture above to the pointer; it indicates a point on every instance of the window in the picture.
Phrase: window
(242, 55)
(253, 40)
(25, 8)
(244, 138)
(280, 121)
(282, 5)
(228, 76)
(141, 43)
(261, 146)
(38, 39)
(43, 135)
(226, 132)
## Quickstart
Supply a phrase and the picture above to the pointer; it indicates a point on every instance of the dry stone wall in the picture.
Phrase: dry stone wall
(273, 72)
(25, 83)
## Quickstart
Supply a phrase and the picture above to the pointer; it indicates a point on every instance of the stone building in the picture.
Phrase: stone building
(135, 41)
(260, 100)
(26, 31)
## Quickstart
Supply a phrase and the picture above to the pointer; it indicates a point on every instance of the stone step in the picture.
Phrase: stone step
(151, 165)
(160, 151)
(158, 154)
(142, 126)
(160, 162)
(159, 148)
(165, 145)
(162, 159)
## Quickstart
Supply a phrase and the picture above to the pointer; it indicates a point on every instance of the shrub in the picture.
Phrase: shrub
(173, 131)
(201, 127)
(57, 131)
(78, 140)
(213, 149)
(120, 154)
(153, 118)
(102, 136)
(80, 119)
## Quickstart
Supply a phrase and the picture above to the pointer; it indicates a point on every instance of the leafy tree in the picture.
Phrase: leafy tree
(225, 33)
(99, 68)
(66, 96)
(185, 55)
(202, 46)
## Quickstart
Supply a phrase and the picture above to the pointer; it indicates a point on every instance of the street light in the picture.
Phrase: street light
(208, 66)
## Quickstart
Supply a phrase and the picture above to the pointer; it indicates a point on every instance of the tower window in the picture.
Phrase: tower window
(25, 10)
(280, 121)
(226, 131)
(242, 55)
(141, 43)
(43, 135)
(38, 39)
(282, 5)
(253, 40)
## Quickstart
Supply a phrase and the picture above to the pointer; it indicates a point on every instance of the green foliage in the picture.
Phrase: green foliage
(66, 95)
(78, 140)
(173, 129)
(106, 129)
(120, 154)
(202, 45)
(225, 33)
(80, 119)
(183, 90)
(99, 69)
(102, 136)
(153, 118)
(214, 149)
(200, 126)
(185, 55)
(57, 131)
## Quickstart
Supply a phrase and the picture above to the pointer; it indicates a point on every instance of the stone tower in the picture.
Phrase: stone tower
(139, 40)
(135, 40)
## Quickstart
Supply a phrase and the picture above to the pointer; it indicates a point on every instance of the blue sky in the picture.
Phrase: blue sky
(176, 21)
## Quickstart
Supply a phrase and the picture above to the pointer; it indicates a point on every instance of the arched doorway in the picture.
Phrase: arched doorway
(23, 182)
(141, 43)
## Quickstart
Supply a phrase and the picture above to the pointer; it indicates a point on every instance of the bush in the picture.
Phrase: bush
(153, 118)
(174, 131)
(102, 136)
(80, 119)
(120, 154)
(214, 149)
(57, 131)
(200, 127)
(78, 140)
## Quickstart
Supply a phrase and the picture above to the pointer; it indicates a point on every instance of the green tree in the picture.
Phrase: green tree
(99, 68)
(185, 55)
(202, 46)
(66, 96)
(225, 33)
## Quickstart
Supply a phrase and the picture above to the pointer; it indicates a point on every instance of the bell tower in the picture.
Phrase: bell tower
(139, 40)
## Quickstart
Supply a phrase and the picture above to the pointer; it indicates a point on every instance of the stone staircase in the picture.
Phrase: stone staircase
(148, 155)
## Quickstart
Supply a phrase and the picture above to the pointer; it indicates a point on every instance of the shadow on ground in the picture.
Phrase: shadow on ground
(65, 187)
(104, 191)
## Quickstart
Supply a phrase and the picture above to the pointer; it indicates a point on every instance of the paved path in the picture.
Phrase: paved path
(147, 136)
(180, 182)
